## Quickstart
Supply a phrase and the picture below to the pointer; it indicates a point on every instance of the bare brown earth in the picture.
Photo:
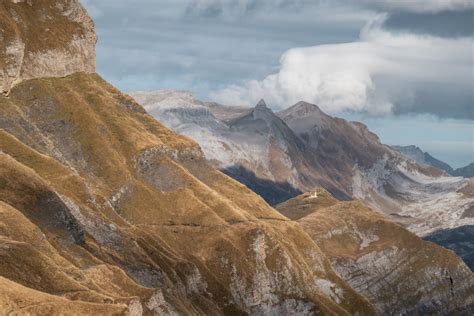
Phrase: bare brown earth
(397, 271)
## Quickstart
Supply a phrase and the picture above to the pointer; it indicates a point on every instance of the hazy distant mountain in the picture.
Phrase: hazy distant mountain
(424, 158)
(467, 171)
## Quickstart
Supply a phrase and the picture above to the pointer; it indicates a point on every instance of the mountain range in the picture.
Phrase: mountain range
(424, 158)
(105, 211)
(281, 155)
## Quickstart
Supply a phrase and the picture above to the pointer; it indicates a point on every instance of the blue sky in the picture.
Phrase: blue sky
(405, 68)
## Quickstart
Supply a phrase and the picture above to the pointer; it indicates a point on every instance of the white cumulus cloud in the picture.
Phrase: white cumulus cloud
(381, 73)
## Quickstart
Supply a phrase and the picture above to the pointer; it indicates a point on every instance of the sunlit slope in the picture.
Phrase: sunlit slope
(130, 215)
(396, 270)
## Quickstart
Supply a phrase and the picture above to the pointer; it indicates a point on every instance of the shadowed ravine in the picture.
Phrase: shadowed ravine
(459, 240)
(272, 192)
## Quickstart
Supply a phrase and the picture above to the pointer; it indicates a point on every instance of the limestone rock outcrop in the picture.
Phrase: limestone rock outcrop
(41, 39)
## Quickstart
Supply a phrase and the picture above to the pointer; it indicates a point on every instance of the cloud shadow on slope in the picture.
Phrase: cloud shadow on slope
(460, 240)
(271, 191)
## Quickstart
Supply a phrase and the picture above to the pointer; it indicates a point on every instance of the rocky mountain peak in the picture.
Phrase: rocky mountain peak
(42, 39)
(263, 112)
(304, 116)
(412, 152)
(261, 105)
(304, 108)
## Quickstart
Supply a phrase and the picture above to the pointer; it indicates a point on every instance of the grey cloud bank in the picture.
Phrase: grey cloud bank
(423, 6)
(417, 59)
(239, 51)
(444, 24)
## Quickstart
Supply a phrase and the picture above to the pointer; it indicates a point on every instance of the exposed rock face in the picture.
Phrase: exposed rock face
(46, 38)
(397, 271)
(412, 196)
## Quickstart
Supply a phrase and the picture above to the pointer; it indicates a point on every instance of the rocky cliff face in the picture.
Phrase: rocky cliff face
(45, 38)
(397, 271)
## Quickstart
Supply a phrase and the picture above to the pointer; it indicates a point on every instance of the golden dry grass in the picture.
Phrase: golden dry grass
(349, 233)
(40, 23)
(149, 205)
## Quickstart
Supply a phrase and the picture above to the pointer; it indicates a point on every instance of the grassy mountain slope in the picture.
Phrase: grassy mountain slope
(128, 214)
(396, 270)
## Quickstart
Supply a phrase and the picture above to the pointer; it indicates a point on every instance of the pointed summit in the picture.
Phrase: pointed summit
(263, 112)
(261, 104)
